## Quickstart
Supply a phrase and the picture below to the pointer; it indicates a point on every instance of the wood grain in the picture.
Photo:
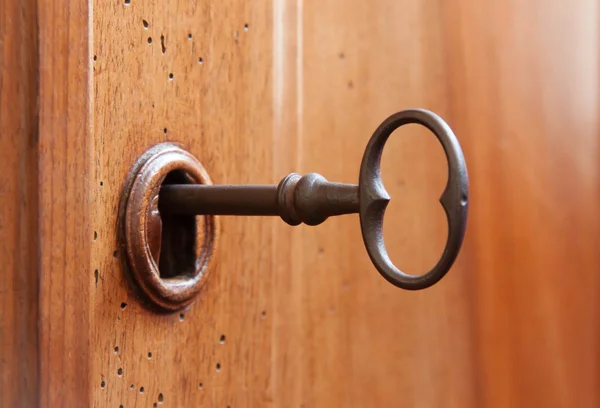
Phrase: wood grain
(65, 145)
(525, 96)
(512, 324)
(355, 340)
(44, 231)
(19, 281)
(220, 111)
(298, 316)
(307, 320)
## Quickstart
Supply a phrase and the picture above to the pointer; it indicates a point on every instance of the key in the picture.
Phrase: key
(311, 199)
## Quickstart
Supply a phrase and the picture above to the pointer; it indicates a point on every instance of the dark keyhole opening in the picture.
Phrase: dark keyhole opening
(178, 238)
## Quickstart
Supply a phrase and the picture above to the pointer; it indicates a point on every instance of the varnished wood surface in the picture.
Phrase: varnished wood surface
(44, 214)
(514, 323)
(220, 111)
(19, 281)
(298, 316)
(524, 93)
(64, 188)
(356, 340)
(302, 90)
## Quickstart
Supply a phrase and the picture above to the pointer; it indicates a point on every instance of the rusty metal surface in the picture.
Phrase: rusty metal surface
(311, 199)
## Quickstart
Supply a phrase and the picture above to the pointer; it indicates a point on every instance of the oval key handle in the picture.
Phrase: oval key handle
(308, 199)
(374, 199)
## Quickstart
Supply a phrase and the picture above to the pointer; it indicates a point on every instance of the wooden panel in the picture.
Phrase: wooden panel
(220, 110)
(19, 380)
(65, 146)
(513, 323)
(354, 339)
(44, 151)
(524, 94)
(305, 318)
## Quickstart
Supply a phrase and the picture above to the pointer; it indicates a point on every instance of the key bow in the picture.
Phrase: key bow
(374, 198)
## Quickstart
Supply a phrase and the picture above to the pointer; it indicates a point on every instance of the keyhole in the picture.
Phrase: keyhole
(178, 238)
(175, 249)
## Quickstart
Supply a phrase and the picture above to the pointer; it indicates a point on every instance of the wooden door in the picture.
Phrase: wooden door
(298, 317)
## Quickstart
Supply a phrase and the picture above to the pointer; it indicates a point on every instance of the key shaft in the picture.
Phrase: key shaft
(310, 199)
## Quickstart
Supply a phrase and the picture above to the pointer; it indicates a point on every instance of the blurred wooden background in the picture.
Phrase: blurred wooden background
(515, 323)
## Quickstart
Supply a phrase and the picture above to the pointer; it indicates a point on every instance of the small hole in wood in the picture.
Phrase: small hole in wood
(102, 384)
(149, 355)
(141, 390)
(116, 349)
(127, 2)
(200, 60)
(263, 314)
(132, 387)
(96, 275)
(101, 183)
(161, 398)
(165, 131)
(162, 44)
(95, 235)
(123, 305)
(218, 367)
(189, 36)
(121, 406)
(155, 405)
(146, 25)
(181, 317)
(116, 254)
(149, 40)
(171, 76)
(222, 339)
(120, 372)
(200, 386)
(245, 27)
(95, 58)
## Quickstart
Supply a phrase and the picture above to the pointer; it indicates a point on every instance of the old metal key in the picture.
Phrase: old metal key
(311, 199)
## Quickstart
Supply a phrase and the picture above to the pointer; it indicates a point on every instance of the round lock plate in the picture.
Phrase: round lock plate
(168, 257)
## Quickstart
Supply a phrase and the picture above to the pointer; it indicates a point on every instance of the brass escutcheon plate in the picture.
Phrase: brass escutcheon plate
(142, 230)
